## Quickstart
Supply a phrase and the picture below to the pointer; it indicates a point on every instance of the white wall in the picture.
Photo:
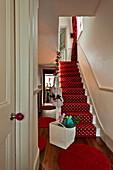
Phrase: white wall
(48, 27)
(102, 100)
(96, 42)
(49, 11)
(66, 22)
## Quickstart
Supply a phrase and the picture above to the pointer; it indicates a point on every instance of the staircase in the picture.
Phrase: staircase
(75, 99)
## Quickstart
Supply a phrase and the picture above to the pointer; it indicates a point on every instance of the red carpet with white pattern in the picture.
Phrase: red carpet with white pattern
(75, 100)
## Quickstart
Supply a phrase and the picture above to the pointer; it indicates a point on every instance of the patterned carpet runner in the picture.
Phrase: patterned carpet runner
(75, 100)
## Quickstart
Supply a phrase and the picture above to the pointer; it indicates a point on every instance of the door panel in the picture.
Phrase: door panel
(2, 50)
(7, 140)
(3, 150)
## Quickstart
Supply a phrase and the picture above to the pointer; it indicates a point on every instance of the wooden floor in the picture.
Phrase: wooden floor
(48, 157)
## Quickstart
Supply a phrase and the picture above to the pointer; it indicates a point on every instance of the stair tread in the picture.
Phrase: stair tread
(70, 77)
(74, 95)
(71, 84)
(72, 81)
(76, 104)
(78, 113)
(85, 125)
(73, 88)
(72, 67)
(68, 62)
(69, 69)
(69, 72)
(65, 82)
(75, 98)
(76, 73)
(68, 65)
(73, 91)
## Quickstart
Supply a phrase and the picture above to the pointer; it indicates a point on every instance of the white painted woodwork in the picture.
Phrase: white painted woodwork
(27, 153)
(35, 86)
(7, 127)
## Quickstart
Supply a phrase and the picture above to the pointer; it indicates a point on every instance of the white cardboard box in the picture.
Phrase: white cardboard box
(61, 136)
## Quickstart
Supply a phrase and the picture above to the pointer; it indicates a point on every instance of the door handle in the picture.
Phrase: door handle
(18, 116)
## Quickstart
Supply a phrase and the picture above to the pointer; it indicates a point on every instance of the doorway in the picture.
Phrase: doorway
(48, 78)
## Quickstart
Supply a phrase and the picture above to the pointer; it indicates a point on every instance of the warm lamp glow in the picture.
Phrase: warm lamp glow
(47, 88)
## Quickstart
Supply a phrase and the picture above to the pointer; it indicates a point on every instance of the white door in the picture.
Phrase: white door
(7, 98)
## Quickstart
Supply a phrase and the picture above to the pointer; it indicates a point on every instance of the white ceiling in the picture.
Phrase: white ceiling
(49, 12)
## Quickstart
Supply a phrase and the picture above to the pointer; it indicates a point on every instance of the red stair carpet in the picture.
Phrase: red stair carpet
(75, 101)
(82, 157)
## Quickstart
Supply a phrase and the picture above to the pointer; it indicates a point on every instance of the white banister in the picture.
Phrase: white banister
(66, 54)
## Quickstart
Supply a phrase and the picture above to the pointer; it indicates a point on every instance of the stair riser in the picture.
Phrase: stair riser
(71, 70)
(85, 132)
(70, 79)
(76, 108)
(68, 74)
(73, 91)
(75, 99)
(69, 66)
(71, 85)
(68, 62)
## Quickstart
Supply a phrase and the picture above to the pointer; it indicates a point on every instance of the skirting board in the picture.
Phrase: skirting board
(36, 161)
(107, 140)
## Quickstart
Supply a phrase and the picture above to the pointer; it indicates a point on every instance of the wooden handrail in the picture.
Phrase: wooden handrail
(99, 86)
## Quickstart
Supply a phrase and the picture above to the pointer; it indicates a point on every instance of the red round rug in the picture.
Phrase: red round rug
(41, 142)
(44, 121)
(48, 107)
(82, 157)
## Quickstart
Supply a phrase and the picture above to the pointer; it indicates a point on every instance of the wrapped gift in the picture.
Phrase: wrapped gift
(56, 96)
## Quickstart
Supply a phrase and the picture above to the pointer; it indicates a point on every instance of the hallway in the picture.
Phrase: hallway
(94, 54)
(48, 156)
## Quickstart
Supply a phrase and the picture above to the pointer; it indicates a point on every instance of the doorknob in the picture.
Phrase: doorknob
(18, 116)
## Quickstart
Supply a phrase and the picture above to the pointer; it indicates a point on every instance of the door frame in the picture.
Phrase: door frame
(27, 152)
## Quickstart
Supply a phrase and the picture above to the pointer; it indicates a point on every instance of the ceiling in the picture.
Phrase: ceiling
(49, 12)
